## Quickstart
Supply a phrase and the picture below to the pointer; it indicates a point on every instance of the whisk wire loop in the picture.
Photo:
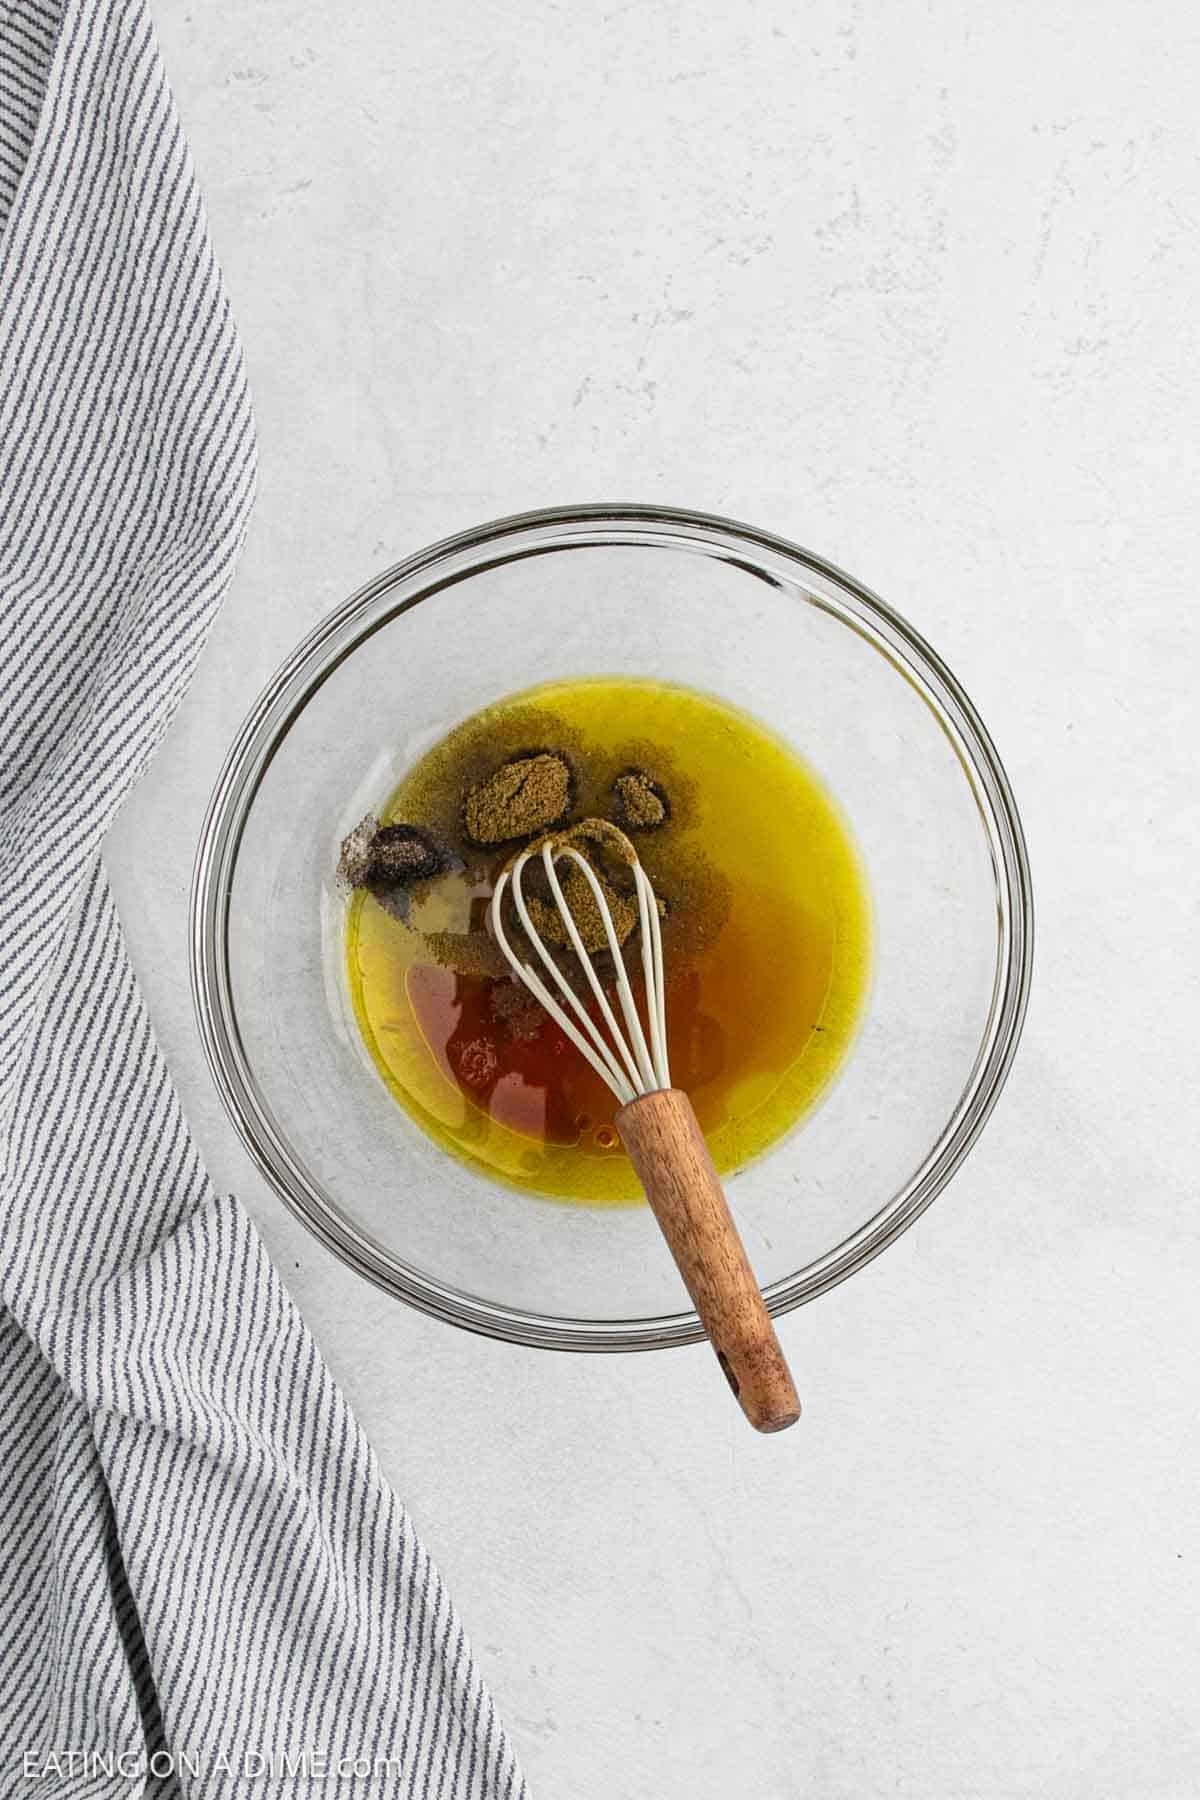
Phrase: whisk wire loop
(643, 1071)
(583, 1035)
(631, 1065)
(652, 971)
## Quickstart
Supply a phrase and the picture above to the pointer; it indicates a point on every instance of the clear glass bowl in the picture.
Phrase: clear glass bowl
(591, 590)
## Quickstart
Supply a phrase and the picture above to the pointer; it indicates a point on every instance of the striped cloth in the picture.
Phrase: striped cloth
(205, 1585)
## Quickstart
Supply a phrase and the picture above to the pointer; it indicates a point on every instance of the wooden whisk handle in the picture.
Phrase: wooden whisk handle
(667, 1149)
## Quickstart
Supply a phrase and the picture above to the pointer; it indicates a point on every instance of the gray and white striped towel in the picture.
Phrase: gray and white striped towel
(201, 1563)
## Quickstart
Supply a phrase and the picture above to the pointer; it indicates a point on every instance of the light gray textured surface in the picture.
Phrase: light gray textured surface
(913, 285)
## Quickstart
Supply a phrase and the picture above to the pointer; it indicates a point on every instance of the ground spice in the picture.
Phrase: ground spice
(598, 841)
(581, 903)
(475, 1062)
(527, 794)
(466, 952)
(600, 833)
(515, 1008)
(639, 802)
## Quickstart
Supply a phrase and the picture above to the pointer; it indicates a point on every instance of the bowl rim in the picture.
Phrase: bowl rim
(298, 679)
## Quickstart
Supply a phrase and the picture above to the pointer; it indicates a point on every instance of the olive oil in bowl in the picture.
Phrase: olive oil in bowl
(766, 938)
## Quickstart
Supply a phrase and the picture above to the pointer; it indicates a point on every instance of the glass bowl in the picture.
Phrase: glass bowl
(674, 596)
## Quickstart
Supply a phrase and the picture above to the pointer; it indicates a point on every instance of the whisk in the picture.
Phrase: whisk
(656, 1123)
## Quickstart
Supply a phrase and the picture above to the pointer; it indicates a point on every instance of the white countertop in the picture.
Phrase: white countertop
(914, 285)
